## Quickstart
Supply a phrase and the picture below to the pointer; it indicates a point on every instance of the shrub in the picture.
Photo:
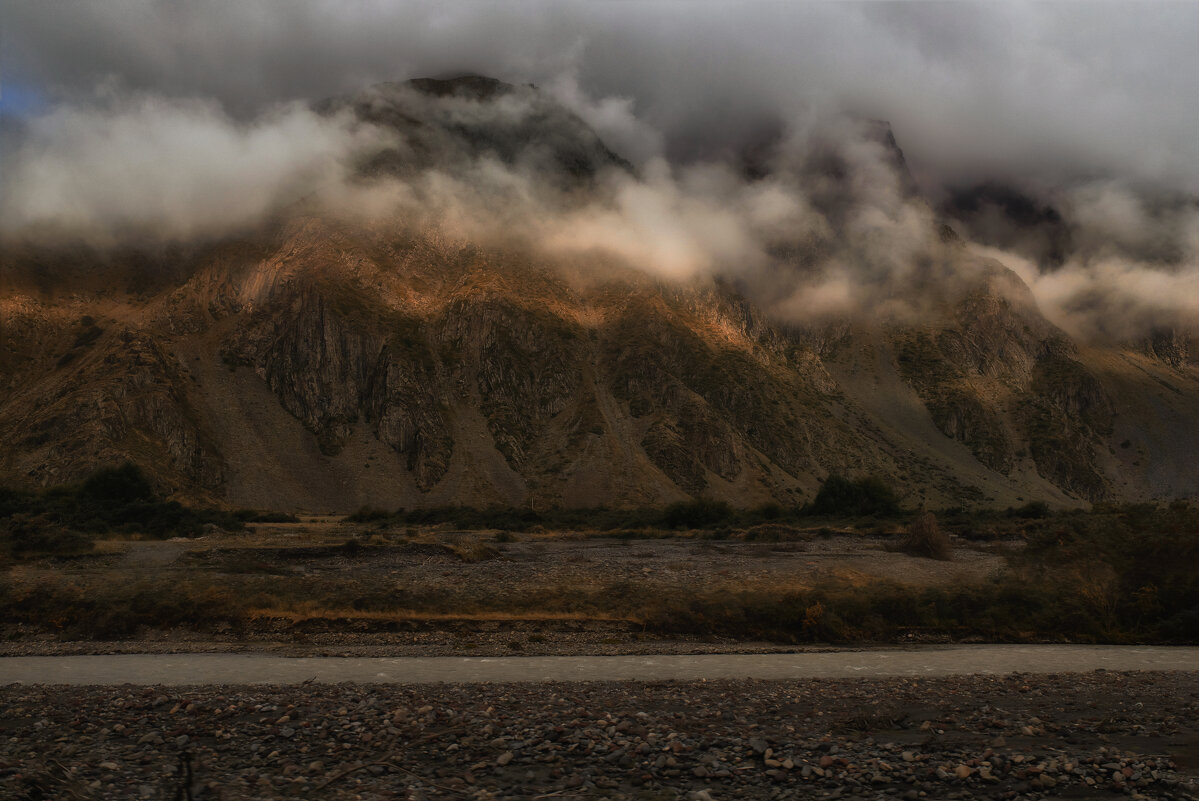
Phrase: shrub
(368, 514)
(30, 535)
(864, 496)
(119, 485)
(252, 516)
(1034, 510)
(114, 499)
(696, 514)
(925, 538)
(473, 551)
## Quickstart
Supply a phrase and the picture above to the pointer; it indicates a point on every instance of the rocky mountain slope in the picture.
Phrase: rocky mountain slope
(320, 364)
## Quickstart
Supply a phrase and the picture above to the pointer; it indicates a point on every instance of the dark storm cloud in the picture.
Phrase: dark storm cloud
(1031, 91)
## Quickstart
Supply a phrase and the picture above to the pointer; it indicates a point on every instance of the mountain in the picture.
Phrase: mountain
(318, 362)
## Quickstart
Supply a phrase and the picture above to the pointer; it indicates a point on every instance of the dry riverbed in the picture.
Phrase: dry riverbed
(330, 588)
(1091, 735)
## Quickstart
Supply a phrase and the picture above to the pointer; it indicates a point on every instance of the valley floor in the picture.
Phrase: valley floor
(326, 587)
(331, 587)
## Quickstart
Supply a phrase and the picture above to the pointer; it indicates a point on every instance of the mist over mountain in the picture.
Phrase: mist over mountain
(195, 121)
(600, 280)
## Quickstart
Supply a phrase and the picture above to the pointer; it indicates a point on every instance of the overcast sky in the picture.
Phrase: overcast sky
(1043, 93)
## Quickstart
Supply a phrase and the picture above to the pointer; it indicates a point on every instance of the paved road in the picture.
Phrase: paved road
(179, 669)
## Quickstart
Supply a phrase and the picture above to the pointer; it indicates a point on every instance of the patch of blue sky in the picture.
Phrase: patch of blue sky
(20, 100)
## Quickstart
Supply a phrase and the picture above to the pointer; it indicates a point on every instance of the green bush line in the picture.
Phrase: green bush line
(838, 496)
(64, 520)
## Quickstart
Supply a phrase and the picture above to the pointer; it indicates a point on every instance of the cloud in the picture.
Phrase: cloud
(1109, 300)
(1048, 91)
(613, 118)
(168, 168)
(744, 123)
(1112, 221)
(1105, 261)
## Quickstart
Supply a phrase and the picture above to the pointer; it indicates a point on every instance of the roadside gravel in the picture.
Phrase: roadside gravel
(1093, 735)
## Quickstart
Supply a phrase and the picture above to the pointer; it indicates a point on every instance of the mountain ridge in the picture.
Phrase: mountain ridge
(323, 364)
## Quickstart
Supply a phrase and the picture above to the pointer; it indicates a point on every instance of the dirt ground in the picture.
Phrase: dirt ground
(461, 567)
(802, 559)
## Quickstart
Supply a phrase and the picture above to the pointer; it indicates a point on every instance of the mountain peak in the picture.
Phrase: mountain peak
(531, 129)
(475, 87)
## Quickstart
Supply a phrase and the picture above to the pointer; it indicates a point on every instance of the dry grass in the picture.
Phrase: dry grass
(1083, 577)
(107, 547)
(925, 538)
(419, 616)
(472, 551)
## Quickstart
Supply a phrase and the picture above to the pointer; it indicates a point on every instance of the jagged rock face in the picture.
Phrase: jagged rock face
(111, 393)
(455, 121)
(502, 384)
(1172, 347)
(524, 364)
(336, 356)
(324, 364)
(1004, 385)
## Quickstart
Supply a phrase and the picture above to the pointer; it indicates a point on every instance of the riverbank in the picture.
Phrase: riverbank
(340, 587)
(1081, 735)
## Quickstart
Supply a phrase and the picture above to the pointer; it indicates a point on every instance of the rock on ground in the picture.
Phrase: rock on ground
(1094, 735)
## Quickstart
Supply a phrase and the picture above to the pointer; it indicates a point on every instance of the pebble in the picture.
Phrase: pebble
(666, 740)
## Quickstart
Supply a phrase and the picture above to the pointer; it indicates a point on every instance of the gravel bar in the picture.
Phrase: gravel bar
(1100, 734)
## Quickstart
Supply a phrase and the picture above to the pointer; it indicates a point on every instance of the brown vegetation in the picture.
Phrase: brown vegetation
(1118, 574)
(925, 538)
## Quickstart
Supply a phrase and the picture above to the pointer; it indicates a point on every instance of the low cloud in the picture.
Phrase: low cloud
(152, 167)
(827, 225)
(1051, 91)
(613, 118)
(1133, 267)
